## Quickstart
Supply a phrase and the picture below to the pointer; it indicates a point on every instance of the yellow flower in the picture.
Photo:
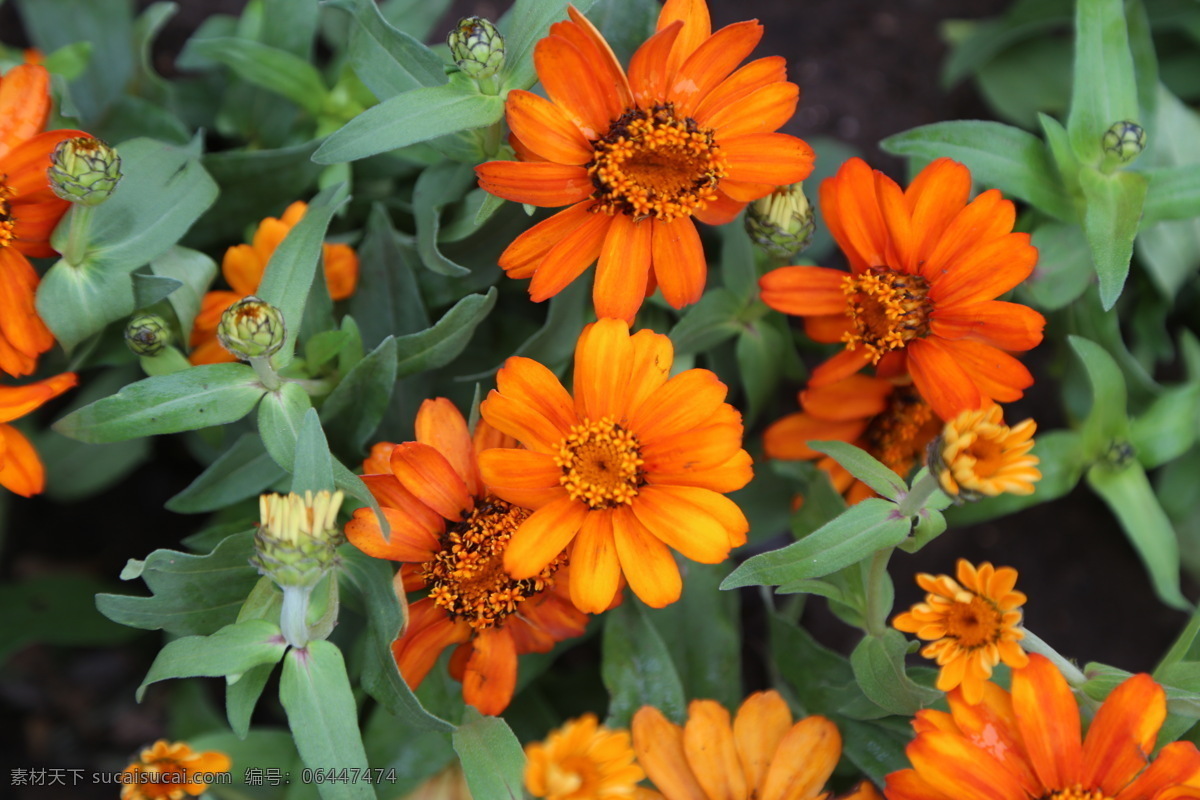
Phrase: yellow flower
(582, 760)
(972, 624)
(169, 771)
(978, 454)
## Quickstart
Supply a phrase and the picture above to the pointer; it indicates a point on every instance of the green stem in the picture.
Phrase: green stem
(266, 373)
(293, 620)
(912, 503)
(77, 239)
(876, 614)
(492, 136)
(1181, 646)
(1034, 644)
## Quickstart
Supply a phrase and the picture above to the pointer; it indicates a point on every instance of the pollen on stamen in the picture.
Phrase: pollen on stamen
(899, 435)
(601, 463)
(887, 310)
(7, 223)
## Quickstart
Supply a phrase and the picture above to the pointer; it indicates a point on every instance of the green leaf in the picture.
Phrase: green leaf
(201, 397)
(1168, 428)
(1010, 159)
(523, 24)
(816, 674)
(440, 344)
(1173, 193)
(415, 116)
(388, 61)
(314, 465)
(191, 594)
(1107, 421)
(708, 323)
(491, 757)
(315, 692)
(878, 663)
(195, 272)
(1104, 87)
(388, 301)
(290, 272)
(242, 471)
(1064, 269)
(1058, 142)
(437, 187)
(847, 539)
(272, 69)
(760, 353)
(865, 467)
(1128, 493)
(57, 609)
(987, 38)
(241, 696)
(637, 667)
(874, 747)
(1113, 210)
(353, 410)
(279, 416)
(230, 651)
(738, 271)
(150, 289)
(1008, 84)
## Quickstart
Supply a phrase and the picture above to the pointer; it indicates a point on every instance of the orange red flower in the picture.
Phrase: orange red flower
(636, 155)
(889, 420)
(451, 531)
(29, 211)
(1028, 743)
(925, 269)
(629, 469)
(21, 470)
(243, 268)
(170, 771)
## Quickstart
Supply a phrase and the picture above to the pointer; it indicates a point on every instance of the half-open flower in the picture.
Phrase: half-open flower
(629, 469)
(636, 155)
(21, 470)
(925, 269)
(978, 455)
(583, 760)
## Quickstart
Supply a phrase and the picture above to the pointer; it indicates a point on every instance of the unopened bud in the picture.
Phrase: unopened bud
(251, 328)
(782, 223)
(84, 170)
(1124, 141)
(147, 334)
(477, 47)
(297, 539)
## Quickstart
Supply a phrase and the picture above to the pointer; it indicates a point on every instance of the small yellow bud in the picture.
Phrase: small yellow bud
(782, 223)
(84, 170)
(477, 47)
(147, 334)
(252, 328)
(297, 539)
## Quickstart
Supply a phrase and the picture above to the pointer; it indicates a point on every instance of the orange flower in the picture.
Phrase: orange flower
(974, 622)
(1026, 743)
(169, 771)
(888, 420)
(29, 211)
(243, 268)
(451, 531)
(633, 467)
(583, 760)
(979, 455)
(925, 267)
(761, 754)
(637, 156)
(21, 470)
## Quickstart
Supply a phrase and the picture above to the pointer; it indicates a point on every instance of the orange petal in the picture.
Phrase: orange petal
(728, 477)
(426, 473)
(659, 747)
(538, 389)
(595, 569)
(603, 360)
(1049, 722)
(830, 329)
(521, 258)
(944, 384)
(709, 747)
(1177, 763)
(851, 211)
(17, 401)
(543, 536)
(25, 103)
(788, 438)
(674, 518)
(13, 361)
(839, 367)
(653, 355)
(718, 506)
(775, 158)
(340, 266)
(430, 632)
(570, 78)
(996, 374)
(762, 111)
(906, 784)
(711, 63)
(803, 761)
(988, 216)
(567, 260)
(761, 723)
(697, 27)
(440, 425)
(953, 767)
(746, 191)
(607, 69)
(934, 198)
(679, 261)
(1008, 326)
(720, 211)
(746, 80)
(1122, 734)
(407, 541)
(538, 183)
(623, 269)
(805, 291)
(490, 677)
(546, 129)
(523, 477)
(991, 726)
(902, 242)
(692, 451)
(856, 398)
(19, 320)
(648, 67)
(21, 470)
(987, 271)
(681, 404)
(646, 562)
(388, 491)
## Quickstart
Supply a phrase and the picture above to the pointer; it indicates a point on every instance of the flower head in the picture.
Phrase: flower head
(888, 420)
(451, 532)
(21, 470)
(760, 753)
(84, 170)
(582, 760)
(925, 267)
(170, 771)
(637, 155)
(977, 455)
(1027, 743)
(632, 467)
(243, 268)
(297, 541)
(251, 328)
(29, 212)
(972, 623)
(477, 47)
(782, 223)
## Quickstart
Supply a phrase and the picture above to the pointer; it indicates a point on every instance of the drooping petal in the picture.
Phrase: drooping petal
(521, 258)
(542, 536)
(595, 567)
(21, 471)
(406, 541)
(678, 259)
(24, 104)
(646, 562)
(490, 676)
(17, 401)
(805, 291)
(426, 473)
(567, 260)
(623, 269)
(19, 320)
(539, 183)
(430, 632)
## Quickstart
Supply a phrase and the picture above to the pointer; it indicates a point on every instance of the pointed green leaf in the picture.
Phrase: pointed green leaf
(195, 272)
(272, 69)
(242, 471)
(439, 345)
(637, 668)
(1168, 428)
(279, 416)
(1113, 212)
(314, 465)
(1173, 193)
(1105, 89)
(1107, 421)
(491, 757)
(878, 664)
(388, 301)
(712, 320)
(437, 187)
(1064, 269)
(865, 467)
(230, 651)
(388, 61)
(353, 410)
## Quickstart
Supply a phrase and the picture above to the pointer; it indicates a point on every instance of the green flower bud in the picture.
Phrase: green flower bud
(251, 328)
(84, 170)
(298, 537)
(1124, 141)
(782, 223)
(477, 47)
(147, 334)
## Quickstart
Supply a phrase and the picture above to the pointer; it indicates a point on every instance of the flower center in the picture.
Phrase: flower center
(567, 778)
(888, 310)
(600, 464)
(162, 779)
(8, 223)
(1077, 793)
(974, 621)
(652, 164)
(899, 434)
(466, 576)
(988, 454)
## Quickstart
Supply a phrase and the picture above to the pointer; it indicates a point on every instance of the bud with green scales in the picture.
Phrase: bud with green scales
(1124, 141)
(298, 537)
(477, 47)
(147, 334)
(252, 328)
(84, 170)
(782, 223)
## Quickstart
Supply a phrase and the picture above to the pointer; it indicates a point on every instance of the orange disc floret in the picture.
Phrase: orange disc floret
(243, 268)
(1029, 743)
(684, 133)
(29, 212)
(21, 470)
(450, 532)
(925, 268)
(171, 771)
(635, 465)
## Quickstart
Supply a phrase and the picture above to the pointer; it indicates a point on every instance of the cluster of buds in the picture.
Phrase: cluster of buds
(252, 328)
(84, 170)
(782, 223)
(297, 540)
(477, 47)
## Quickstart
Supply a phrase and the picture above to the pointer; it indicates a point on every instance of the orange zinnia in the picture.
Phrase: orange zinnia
(888, 420)
(1023, 744)
(636, 156)
(29, 211)
(170, 771)
(21, 470)
(451, 531)
(978, 455)
(925, 267)
(583, 760)
(634, 466)
(243, 268)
